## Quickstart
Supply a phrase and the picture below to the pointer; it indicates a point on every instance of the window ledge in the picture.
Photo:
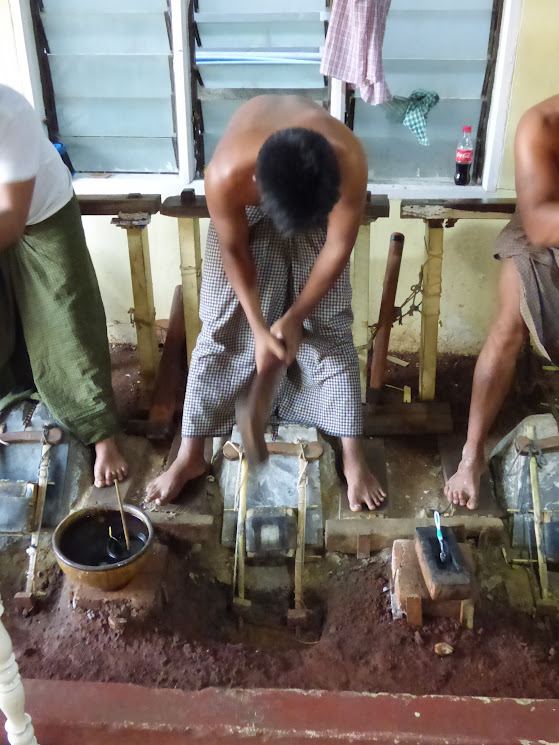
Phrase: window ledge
(170, 184)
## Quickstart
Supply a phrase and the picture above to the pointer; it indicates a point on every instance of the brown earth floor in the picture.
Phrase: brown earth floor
(193, 641)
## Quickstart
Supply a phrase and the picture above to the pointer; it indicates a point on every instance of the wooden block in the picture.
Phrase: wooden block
(299, 617)
(363, 547)
(448, 581)
(399, 418)
(414, 612)
(342, 534)
(454, 209)
(115, 203)
(467, 614)
(171, 374)
(407, 581)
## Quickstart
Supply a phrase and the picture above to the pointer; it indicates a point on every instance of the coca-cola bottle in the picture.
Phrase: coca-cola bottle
(464, 157)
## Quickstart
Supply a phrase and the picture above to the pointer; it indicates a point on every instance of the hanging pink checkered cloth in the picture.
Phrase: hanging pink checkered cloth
(353, 50)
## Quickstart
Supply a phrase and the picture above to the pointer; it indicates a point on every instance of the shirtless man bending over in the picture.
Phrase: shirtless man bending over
(528, 288)
(285, 189)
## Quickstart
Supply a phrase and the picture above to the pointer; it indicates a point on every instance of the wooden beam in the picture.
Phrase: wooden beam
(191, 273)
(113, 204)
(144, 309)
(430, 309)
(343, 534)
(448, 209)
(360, 262)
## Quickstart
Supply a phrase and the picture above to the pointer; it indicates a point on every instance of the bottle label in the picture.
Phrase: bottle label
(464, 156)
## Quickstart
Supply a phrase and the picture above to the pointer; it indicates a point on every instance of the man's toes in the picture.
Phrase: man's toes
(354, 506)
(472, 503)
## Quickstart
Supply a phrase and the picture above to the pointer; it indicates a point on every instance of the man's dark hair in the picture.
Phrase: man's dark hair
(299, 179)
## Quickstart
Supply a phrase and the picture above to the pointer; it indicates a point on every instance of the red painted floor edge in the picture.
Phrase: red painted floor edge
(66, 713)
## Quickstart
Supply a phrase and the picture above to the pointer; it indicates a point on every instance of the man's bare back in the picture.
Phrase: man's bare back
(537, 172)
(232, 166)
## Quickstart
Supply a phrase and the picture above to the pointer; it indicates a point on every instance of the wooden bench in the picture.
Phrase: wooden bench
(131, 210)
(188, 208)
(438, 214)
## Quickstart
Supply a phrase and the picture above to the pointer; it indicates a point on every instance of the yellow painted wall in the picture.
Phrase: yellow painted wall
(469, 270)
(536, 74)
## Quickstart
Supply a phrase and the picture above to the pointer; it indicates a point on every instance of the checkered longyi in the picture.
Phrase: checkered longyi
(321, 388)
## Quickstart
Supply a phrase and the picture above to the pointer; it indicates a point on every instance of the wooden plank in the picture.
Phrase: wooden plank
(455, 209)
(144, 309)
(430, 310)
(113, 204)
(171, 376)
(419, 417)
(414, 610)
(360, 262)
(194, 205)
(342, 534)
(191, 273)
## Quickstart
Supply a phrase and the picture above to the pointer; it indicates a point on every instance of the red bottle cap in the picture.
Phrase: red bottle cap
(466, 129)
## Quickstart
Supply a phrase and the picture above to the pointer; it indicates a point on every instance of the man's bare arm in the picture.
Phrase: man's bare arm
(15, 200)
(537, 179)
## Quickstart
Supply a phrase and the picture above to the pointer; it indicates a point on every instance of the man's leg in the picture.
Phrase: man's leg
(222, 363)
(492, 380)
(63, 319)
(188, 465)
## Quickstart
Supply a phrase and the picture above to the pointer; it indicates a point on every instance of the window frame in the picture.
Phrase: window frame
(182, 49)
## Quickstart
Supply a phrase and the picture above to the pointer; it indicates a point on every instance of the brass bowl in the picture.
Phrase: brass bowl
(80, 545)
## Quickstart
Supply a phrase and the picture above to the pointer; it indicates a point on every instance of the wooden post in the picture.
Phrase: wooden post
(538, 530)
(144, 309)
(360, 261)
(386, 313)
(12, 698)
(430, 308)
(191, 273)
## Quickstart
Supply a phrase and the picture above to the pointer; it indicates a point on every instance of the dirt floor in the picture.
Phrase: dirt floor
(192, 640)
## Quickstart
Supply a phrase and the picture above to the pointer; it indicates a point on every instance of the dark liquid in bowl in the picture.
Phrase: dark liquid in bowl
(86, 541)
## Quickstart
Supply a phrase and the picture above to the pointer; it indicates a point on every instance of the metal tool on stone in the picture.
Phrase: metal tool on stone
(443, 553)
(253, 412)
(25, 600)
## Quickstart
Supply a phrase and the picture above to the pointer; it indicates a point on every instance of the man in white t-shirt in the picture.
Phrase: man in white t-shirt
(49, 298)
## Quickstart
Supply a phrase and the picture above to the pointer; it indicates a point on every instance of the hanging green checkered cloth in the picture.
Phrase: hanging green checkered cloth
(49, 278)
(420, 104)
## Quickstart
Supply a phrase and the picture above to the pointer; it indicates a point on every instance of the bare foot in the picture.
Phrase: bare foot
(362, 486)
(188, 465)
(463, 488)
(110, 466)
